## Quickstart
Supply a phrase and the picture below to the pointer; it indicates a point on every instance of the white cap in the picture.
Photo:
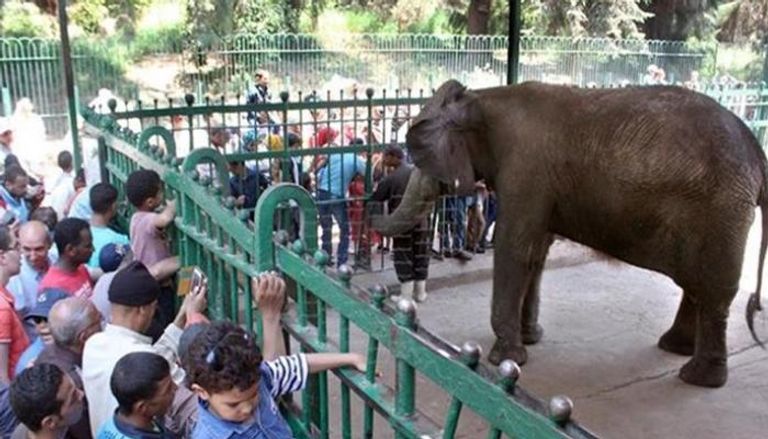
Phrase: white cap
(5, 125)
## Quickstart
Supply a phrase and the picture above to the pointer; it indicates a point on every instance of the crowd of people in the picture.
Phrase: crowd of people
(91, 343)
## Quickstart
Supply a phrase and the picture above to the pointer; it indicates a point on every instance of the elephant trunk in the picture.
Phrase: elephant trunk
(418, 202)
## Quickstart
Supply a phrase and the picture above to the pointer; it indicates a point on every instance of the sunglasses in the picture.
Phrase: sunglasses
(212, 359)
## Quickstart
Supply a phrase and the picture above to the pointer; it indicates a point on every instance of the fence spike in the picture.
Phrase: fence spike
(189, 98)
(471, 353)
(298, 247)
(345, 274)
(321, 258)
(510, 373)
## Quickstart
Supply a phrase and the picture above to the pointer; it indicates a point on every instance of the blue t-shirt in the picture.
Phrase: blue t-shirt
(101, 237)
(339, 169)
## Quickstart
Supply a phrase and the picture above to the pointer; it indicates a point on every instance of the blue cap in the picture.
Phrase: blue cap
(45, 302)
(112, 255)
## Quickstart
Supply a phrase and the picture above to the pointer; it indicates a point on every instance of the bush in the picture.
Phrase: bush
(89, 15)
(23, 19)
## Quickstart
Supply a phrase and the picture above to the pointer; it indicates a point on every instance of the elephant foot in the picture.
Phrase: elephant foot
(532, 335)
(705, 373)
(676, 344)
(503, 351)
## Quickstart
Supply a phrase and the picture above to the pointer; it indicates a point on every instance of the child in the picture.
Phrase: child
(237, 390)
(144, 190)
(142, 385)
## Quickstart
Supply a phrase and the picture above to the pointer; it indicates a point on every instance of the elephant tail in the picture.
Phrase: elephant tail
(753, 304)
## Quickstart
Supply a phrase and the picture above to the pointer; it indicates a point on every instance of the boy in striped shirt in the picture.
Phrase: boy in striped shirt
(237, 386)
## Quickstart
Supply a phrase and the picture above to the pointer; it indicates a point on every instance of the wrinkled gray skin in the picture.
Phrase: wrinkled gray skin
(659, 177)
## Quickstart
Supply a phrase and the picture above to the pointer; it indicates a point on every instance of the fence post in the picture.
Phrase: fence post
(69, 82)
(513, 48)
(405, 380)
(6, 96)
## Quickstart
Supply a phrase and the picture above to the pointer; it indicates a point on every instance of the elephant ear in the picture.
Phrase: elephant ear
(440, 137)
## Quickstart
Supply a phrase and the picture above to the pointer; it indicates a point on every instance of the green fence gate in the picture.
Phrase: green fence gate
(330, 314)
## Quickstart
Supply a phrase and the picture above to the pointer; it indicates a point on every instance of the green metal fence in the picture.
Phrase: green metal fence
(208, 233)
(168, 67)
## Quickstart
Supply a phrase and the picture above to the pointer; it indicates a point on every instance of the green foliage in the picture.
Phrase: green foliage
(89, 15)
(24, 19)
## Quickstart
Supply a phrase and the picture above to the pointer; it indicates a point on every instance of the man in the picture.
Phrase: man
(104, 207)
(75, 246)
(258, 95)
(39, 318)
(246, 185)
(46, 402)
(62, 190)
(133, 295)
(35, 245)
(72, 321)
(13, 193)
(411, 249)
(13, 339)
(333, 178)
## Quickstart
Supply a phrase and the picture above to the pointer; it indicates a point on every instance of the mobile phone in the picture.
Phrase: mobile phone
(198, 277)
(190, 277)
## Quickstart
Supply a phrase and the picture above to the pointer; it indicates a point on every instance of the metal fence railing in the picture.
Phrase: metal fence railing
(168, 67)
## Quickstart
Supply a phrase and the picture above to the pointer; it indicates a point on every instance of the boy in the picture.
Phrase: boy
(144, 190)
(142, 385)
(75, 245)
(236, 389)
(104, 206)
(46, 402)
(149, 244)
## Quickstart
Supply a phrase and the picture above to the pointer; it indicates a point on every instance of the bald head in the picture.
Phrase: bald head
(72, 321)
(35, 242)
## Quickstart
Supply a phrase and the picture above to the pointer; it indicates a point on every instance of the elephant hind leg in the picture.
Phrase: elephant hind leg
(680, 338)
(709, 365)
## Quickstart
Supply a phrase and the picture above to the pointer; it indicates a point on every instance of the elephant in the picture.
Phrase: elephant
(659, 177)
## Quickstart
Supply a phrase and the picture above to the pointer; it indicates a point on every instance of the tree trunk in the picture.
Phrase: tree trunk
(478, 15)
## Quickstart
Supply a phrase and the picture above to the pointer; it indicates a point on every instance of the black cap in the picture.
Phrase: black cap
(134, 286)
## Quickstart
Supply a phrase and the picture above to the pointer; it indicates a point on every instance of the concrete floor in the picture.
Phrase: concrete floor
(602, 319)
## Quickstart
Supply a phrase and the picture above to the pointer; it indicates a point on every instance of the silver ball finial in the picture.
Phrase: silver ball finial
(560, 408)
(345, 272)
(471, 353)
(407, 307)
(509, 370)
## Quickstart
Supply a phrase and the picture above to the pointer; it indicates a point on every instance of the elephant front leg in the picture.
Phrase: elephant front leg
(514, 312)
(680, 338)
(709, 365)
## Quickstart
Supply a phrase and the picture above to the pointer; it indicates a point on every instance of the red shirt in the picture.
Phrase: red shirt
(77, 284)
(11, 330)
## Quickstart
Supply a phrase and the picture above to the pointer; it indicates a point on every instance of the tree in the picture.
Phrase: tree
(478, 16)
(678, 19)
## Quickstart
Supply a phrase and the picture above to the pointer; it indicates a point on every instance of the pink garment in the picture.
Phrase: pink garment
(78, 284)
(148, 243)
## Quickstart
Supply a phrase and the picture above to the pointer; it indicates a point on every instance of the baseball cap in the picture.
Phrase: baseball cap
(45, 301)
(112, 255)
(133, 286)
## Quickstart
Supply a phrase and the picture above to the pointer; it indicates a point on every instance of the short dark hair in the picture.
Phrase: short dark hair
(33, 394)
(64, 160)
(5, 238)
(103, 196)
(80, 175)
(67, 232)
(13, 172)
(223, 357)
(394, 151)
(46, 215)
(136, 377)
(294, 139)
(141, 186)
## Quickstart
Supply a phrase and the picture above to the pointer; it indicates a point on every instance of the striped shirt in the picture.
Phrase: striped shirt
(287, 374)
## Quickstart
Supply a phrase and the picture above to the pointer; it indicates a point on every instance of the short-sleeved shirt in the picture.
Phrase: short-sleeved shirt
(283, 375)
(11, 331)
(337, 173)
(148, 243)
(78, 284)
(102, 236)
